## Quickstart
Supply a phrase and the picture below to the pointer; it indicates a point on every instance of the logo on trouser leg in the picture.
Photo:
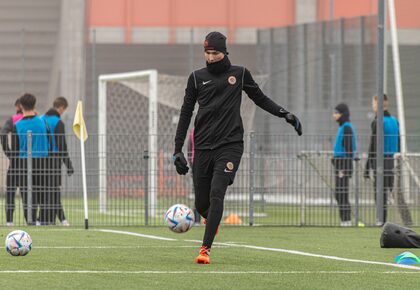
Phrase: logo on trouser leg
(229, 167)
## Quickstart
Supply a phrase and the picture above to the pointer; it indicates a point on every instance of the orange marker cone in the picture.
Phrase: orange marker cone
(233, 219)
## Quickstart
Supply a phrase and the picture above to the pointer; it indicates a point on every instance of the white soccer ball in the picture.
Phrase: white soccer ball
(18, 243)
(180, 218)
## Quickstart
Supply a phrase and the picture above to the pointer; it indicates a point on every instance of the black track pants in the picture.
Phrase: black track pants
(12, 185)
(213, 172)
(342, 195)
(388, 182)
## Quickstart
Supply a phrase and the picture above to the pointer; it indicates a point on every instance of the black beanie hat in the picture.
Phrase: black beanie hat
(215, 41)
(343, 109)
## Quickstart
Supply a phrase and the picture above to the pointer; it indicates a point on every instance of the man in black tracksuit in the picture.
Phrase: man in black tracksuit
(59, 156)
(12, 171)
(218, 130)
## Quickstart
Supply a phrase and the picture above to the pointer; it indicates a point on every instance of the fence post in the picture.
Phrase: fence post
(191, 51)
(339, 60)
(303, 195)
(360, 61)
(380, 206)
(146, 186)
(22, 58)
(305, 71)
(356, 190)
(93, 51)
(251, 178)
(29, 177)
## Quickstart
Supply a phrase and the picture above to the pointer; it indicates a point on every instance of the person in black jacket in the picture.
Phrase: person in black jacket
(12, 171)
(218, 130)
(41, 143)
(391, 146)
(59, 155)
(344, 151)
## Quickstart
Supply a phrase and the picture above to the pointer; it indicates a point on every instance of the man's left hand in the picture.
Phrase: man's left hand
(294, 121)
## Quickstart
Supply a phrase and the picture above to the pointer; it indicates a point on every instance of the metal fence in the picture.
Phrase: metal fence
(292, 184)
(312, 67)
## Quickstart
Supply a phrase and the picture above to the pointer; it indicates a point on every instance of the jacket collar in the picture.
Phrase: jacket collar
(52, 112)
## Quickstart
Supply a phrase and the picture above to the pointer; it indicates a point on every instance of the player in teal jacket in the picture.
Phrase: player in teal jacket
(344, 152)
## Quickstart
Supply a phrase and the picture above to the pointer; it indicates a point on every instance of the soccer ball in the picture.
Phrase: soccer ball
(18, 243)
(180, 218)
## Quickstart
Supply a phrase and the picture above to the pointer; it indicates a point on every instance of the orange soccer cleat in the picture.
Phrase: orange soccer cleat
(204, 256)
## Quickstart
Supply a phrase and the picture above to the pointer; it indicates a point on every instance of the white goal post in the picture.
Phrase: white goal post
(152, 77)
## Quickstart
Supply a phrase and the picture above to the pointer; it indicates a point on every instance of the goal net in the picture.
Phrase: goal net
(138, 117)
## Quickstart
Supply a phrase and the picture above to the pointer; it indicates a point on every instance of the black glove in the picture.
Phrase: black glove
(180, 163)
(294, 121)
(70, 170)
(366, 173)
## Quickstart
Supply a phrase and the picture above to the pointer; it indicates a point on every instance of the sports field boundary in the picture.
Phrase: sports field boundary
(199, 272)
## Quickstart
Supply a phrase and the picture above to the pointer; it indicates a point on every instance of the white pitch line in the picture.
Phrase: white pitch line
(46, 229)
(198, 272)
(137, 235)
(114, 247)
(294, 252)
(322, 256)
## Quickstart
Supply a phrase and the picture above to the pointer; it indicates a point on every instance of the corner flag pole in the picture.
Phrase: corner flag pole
(85, 201)
(79, 128)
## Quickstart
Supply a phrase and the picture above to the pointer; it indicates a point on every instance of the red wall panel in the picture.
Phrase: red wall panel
(232, 13)
(346, 8)
(151, 13)
(406, 10)
(107, 12)
(265, 13)
(201, 13)
(407, 13)
(246, 13)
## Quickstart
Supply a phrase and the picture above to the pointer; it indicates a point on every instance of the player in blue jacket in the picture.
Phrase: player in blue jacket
(344, 152)
(33, 123)
(59, 155)
(391, 146)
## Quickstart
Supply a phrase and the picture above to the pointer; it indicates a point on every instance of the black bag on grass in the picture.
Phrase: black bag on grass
(395, 236)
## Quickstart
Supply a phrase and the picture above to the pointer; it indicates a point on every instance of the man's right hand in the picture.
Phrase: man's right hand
(180, 163)
(70, 170)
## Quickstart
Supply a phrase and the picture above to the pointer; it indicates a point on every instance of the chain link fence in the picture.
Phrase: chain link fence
(283, 180)
(292, 184)
(313, 67)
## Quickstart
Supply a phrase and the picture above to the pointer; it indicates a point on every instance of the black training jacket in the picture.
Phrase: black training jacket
(218, 121)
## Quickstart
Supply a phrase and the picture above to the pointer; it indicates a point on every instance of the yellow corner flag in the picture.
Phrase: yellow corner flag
(79, 122)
